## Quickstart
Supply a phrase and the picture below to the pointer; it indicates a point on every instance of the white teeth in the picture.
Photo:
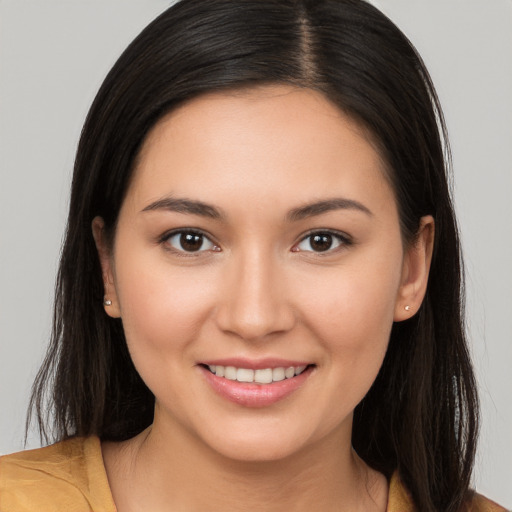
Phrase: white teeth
(262, 376)
(298, 370)
(244, 375)
(277, 374)
(289, 372)
(230, 373)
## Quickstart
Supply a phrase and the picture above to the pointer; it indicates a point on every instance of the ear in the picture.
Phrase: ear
(107, 267)
(415, 270)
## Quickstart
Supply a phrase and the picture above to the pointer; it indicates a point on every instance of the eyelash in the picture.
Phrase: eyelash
(342, 238)
(166, 237)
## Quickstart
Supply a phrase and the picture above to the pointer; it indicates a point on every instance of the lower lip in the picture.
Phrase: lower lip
(255, 395)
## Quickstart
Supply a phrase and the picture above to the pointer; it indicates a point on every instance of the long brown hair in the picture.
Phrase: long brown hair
(420, 416)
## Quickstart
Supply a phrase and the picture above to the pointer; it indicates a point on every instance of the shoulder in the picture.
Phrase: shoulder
(69, 475)
(480, 503)
(399, 500)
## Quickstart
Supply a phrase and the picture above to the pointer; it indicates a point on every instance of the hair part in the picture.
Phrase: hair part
(421, 415)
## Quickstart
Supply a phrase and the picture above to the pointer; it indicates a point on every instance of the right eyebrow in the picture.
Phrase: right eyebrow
(327, 205)
(185, 206)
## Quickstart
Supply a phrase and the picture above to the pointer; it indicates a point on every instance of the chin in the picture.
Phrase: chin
(257, 452)
(265, 445)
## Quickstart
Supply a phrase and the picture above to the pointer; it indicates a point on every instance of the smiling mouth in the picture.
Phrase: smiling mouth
(260, 376)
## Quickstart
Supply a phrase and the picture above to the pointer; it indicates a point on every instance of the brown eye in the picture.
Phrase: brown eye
(321, 242)
(190, 241)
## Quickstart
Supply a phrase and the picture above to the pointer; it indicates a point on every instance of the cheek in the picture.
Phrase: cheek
(352, 320)
(162, 307)
(163, 310)
(350, 309)
(354, 301)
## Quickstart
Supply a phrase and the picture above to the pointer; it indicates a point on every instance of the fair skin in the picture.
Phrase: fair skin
(254, 289)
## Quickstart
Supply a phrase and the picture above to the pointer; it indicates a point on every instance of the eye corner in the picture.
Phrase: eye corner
(173, 241)
(336, 240)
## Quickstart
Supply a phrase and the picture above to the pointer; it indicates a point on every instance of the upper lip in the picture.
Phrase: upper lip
(256, 364)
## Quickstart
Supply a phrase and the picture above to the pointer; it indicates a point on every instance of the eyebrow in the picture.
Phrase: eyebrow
(194, 207)
(185, 206)
(328, 205)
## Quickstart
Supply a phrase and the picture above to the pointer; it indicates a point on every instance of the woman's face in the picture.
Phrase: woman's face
(259, 234)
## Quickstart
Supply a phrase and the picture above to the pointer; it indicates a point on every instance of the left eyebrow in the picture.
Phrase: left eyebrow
(187, 206)
(328, 205)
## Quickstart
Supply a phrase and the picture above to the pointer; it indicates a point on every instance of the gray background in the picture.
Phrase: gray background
(53, 57)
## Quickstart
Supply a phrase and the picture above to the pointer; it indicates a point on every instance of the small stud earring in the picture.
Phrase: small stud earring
(407, 308)
(107, 302)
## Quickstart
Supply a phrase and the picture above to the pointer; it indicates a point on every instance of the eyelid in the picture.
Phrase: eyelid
(345, 240)
(164, 238)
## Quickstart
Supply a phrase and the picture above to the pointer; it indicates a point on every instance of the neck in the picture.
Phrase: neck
(177, 472)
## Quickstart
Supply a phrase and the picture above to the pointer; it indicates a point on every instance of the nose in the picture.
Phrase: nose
(255, 303)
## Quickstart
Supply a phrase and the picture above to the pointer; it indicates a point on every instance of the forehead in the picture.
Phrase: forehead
(274, 106)
(257, 140)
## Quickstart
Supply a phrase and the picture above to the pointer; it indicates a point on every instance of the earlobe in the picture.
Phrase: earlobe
(415, 271)
(110, 301)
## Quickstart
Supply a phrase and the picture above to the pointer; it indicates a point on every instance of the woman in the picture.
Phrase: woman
(258, 303)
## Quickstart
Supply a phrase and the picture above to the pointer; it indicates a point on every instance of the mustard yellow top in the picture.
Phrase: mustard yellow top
(70, 477)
